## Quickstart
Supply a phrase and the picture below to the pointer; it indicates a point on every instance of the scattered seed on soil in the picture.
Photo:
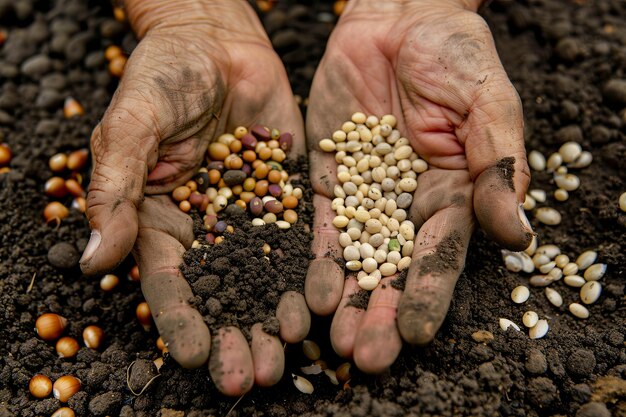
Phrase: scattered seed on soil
(579, 310)
(506, 323)
(530, 319)
(554, 297)
(302, 384)
(539, 330)
(520, 294)
(590, 292)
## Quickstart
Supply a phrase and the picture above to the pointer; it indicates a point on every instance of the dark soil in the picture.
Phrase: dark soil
(568, 62)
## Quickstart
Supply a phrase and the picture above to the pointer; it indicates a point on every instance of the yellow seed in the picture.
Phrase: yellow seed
(92, 336)
(311, 350)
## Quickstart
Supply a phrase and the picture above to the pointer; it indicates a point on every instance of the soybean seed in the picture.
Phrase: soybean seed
(590, 292)
(536, 160)
(586, 259)
(505, 324)
(575, 281)
(530, 319)
(595, 272)
(520, 294)
(548, 216)
(579, 310)
(554, 297)
(539, 330)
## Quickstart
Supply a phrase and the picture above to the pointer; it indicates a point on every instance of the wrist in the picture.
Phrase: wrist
(470, 5)
(221, 19)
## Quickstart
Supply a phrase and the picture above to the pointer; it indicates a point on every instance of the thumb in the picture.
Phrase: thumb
(120, 147)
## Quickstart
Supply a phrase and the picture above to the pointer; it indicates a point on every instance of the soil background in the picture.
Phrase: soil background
(560, 56)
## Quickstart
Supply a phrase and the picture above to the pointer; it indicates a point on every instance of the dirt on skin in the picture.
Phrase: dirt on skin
(568, 62)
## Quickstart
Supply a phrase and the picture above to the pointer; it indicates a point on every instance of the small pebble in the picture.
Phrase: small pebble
(63, 255)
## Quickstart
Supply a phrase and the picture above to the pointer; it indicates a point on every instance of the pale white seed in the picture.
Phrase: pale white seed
(345, 239)
(369, 282)
(505, 324)
(570, 151)
(393, 137)
(387, 269)
(385, 130)
(353, 265)
(545, 268)
(402, 142)
(561, 195)
(365, 134)
(399, 215)
(595, 272)
(407, 249)
(351, 253)
(302, 384)
(220, 202)
(622, 201)
(539, 330)
(586, 259)
(369, 265)
(392, 224)
(407, 185)
(349, 212)
(540, 280)
(340, 221)
(390, 207)
(350, 162)
(529, 203)
(404, 165)
(327, 145)
(548, 216)
(348, 126)
(364, 238)
(379, 174)
(374, 193)
(554, 297)
(570, 268)
(402, 152)
(269, 218)
(380, 256)
(353, 136)
(579, 310)
(530, 319)
(257, 222)
(339, 156)
(354, 234)
(539, 195)
(407, 230)
(389, 119)
(380, 204)
(554, 161)
(528, 265)
(419, 166)
(561, 261)
(555, 274)
(351, 201)
(536, 160)
(376, 240)
(575, 281)
(520, 294)
(339, 192)
(568, 182)
(339, 136)
(354, 223)
(376, 274)
(540, 259)
(394, 257)
(590, 292)
(404, 263)
(373, 225)
(550, 250)
(350, 188)
(332, 375)
(512, 262)
(371, 121)
(363, 165)
(383, 148)
(583, 161)
(401, 239)
(282, 224)
(532, 247)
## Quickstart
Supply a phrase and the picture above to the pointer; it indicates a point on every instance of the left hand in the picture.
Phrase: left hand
(432, 64)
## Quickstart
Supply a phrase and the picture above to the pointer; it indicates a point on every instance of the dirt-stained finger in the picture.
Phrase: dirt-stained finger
(268, 357)
(346, 320)
(293, 316)
(230, 365)
(378, 343)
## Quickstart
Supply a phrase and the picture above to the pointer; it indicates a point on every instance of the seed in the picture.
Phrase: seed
(530, 319)
(369, 282)
(274, 206)
(506, 323)
(219, 151)
(290, 202)
(408, 185)
(551, 251)
(50, 326)
(40, 386)
(92, 336)
(595, 272)
(622, 202)
(532, 247)
(143, 310)
(539, 330)
(482, 336)
(561, 195)
(541, 280)
(55, 211)
(116, 66)
(540, 259)
(568, 182)
(64, 412)
(343, 372)
(290, 216)
(353, 265)
(72, 108)
(536, 160)
(369, 265)
(590, 292)
(340, 221)
(527, 263)
(65, 387)
(57, 162)
(134, 273)
(529, 203)
(387, 269)
(404, 263)
(258, 222)
(303, 385)
(570, 268)
(554, 161)
(575, 281)
(67, 347)
(545, 268)
(538, 195)
(332, 375)
(77, 160)
(520, 294)
(112, 51)
(285, 141)
(311, 350)
(570, 151)
(554, 297)
(548, 215)
(579, 310)
(562, 261)
(181, 193)
(586, 259)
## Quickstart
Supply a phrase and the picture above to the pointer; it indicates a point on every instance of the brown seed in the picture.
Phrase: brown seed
(58, 162)
(55, 187)
(256, 206)
(77, 160)
(80, 204)
(233, 161)
(235, 146)
(265, 153)
(74, 188)
(278, 155)
(311, 350)
(290, 202)
(248, 141)
(119, 14)
(55, 211)
(50, 326)
(161, 345)
(290, 216)
(274, 206)
(261, 187)
(67, 347)
(181, 193)
(65, 387)
(249, 155)
(267, 248)
(274, 176)
(241, 204)
(158, 362)
(285, 142)
(196, 199)
(192, 185)
(144, 315)
(5, 154)
(261, 171)
(240, 131)
(108, 282)
(64, 412)
(92, 336)
(40, 386)
(246, 196)
(184, 206)
(260, 132)
(249, 184)
(112, 51)
(338, 7)
(343, 372)
(218, 151)
(72, 108)
(116, 66)
(133, 275)
(214, 176)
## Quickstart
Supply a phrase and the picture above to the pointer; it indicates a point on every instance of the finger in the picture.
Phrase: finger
(159, 251)
(324, 280)
(378, 342)
(439, 254)
(346, 320)
(268, 357)
(293, 316)
(230, 364)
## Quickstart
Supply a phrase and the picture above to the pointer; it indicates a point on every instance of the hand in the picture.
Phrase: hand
(201, 69)
(433, 65)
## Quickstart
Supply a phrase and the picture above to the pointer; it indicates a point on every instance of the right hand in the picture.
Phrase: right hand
(201, 69)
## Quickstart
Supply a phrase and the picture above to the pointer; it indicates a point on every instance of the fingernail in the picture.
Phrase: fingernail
(92, 246)
(522, 216)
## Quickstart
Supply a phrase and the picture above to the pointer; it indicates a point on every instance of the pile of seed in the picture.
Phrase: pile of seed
(572, 155)
(67, 180)
(243, 168)
(377, 171)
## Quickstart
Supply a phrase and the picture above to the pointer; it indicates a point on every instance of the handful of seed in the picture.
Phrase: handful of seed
(378, 174)
(243, 168)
